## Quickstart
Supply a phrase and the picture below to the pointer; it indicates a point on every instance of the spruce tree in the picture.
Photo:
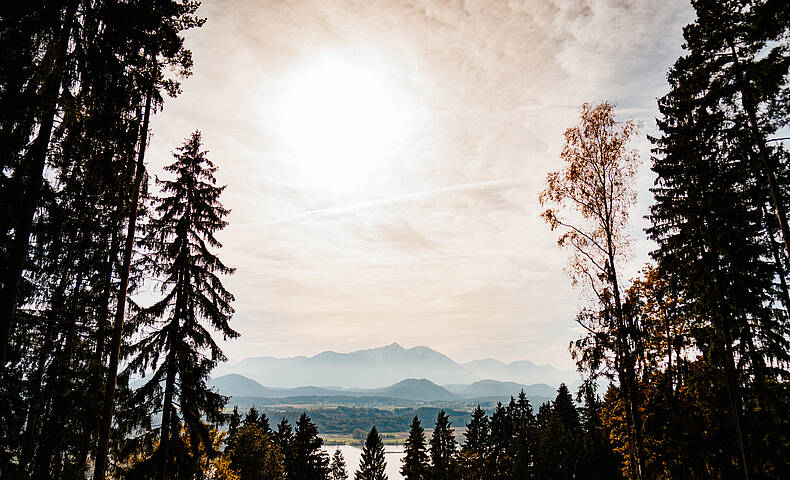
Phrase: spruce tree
(522, 443)
(337, 467)
(252, 417)
(178, 347)
(415, 459)
(477, 433)
(501, 435)
(310, 462)
(254, 456)
(233, 422)
(561, 438)
(474, 451)
(372, 464)
(719, 206)
(443, 453)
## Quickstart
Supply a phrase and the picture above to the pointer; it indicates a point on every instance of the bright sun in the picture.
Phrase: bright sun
(341, 121)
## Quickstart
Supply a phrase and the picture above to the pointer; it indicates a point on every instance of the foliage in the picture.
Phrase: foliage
(415, 459)
(337, 467)
(372, 464)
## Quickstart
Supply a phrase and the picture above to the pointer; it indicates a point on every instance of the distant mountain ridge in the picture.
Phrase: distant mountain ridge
(520, 371)
(371, 368)
(386, 366)
(419, 389)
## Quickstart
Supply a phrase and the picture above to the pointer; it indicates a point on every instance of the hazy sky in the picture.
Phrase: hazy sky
(383, 161)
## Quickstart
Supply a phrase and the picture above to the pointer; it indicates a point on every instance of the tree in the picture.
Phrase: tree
(443, 464)
(309, 462)
(337, 467)
(499, 447)
(178, 239)
(372, 464)
(415, 459)
(719, 185)
(522, 442)
(474, 450)
(254, 456)
(598, 461)
(234, 422)
(596, 187)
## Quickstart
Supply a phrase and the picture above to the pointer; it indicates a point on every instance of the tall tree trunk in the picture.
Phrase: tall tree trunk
(627, 373)
(31, 180)
(115, 346)
(757, 137)
(167, 413)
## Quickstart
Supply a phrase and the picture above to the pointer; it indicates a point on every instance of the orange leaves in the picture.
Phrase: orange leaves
(590, 197)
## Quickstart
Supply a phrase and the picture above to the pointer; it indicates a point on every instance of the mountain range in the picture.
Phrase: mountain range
(384, 367)
(236, 385)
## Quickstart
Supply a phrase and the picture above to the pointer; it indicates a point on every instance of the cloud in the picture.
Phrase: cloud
(441, 243)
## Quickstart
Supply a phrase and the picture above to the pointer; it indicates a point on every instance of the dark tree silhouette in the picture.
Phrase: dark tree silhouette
(372, 464)
(178, 347)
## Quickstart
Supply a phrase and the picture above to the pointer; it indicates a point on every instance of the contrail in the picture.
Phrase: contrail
(391, 200)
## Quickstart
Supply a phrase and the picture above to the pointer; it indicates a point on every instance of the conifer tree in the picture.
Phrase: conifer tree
(415, 459)
(254, 456)
(443, 453)
(337, 467)
(477, 433)
(309, 462)
(252, 417)
(178, 347)
(234, 421)
(597, 461)
(522, 442)
(501, 435)
(372, 464)
(474, 450)
(283, 437)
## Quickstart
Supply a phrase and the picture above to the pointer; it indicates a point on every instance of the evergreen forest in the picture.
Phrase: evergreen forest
(686, 368)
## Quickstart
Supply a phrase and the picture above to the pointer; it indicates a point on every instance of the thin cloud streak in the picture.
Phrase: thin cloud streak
(387, 201)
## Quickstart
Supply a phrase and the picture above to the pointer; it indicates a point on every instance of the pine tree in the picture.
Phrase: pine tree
(263, 423)
(252, 417)
(477, 433)
(720, 201)
(178, 348)
(522, 442)
(309, 462)
(415, 459)
(254, 456)
(598, 461)
(474, 451)
(233, 422)
(501, 435)
(372, 464)
(337, 467)
(562, 438)
(443, 453)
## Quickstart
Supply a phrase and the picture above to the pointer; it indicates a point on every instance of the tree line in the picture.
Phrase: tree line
(560, 440)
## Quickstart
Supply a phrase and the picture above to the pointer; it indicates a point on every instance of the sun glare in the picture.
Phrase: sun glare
(341, 120)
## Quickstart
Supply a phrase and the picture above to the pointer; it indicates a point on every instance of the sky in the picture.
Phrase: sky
(383, 161)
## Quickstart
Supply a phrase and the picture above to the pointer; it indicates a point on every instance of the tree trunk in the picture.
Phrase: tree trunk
(759, 141)
(30, 181)
(115, 347)
(167, 412)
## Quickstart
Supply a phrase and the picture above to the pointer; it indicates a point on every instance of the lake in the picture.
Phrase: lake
(392, 454)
